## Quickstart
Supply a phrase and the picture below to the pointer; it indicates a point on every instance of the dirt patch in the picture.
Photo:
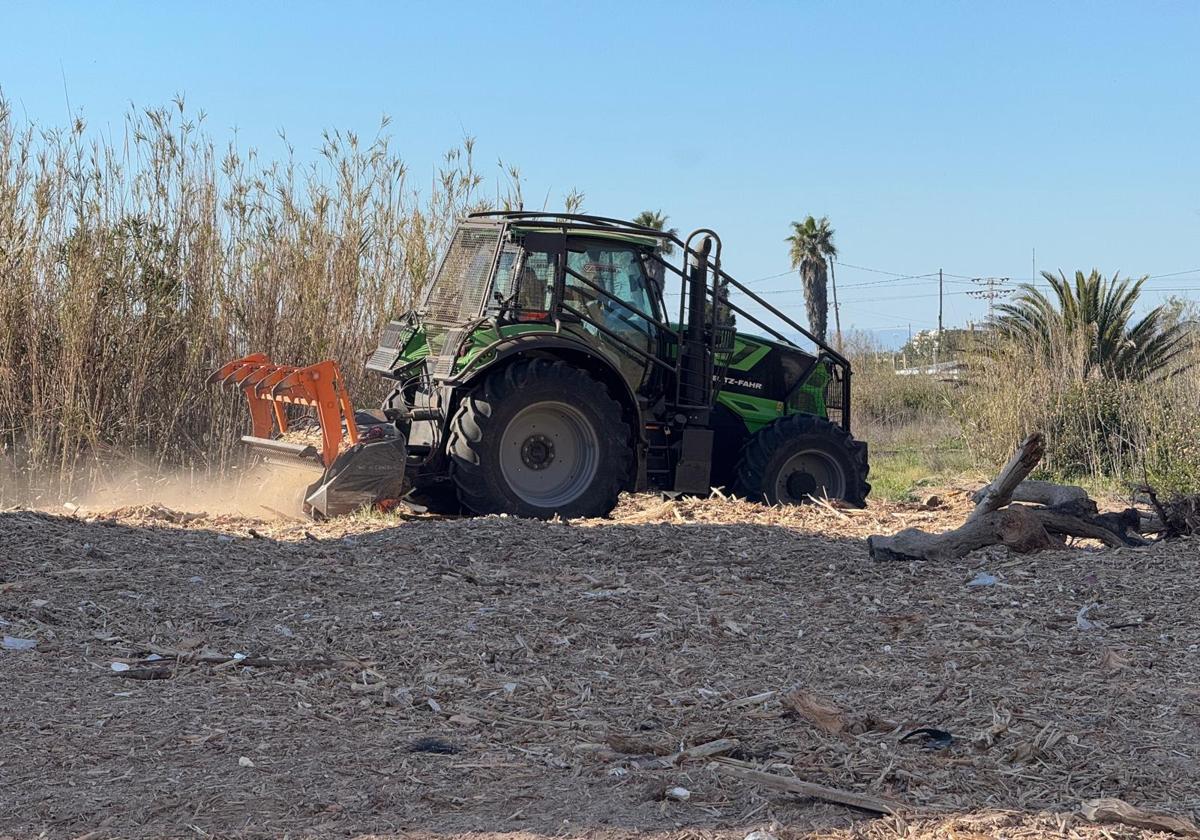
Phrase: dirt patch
(498, 675)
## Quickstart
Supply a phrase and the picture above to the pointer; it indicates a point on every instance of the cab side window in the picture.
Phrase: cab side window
(526, 278)
(618, 270)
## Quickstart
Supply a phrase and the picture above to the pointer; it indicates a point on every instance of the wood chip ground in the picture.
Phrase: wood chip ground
(440, 676)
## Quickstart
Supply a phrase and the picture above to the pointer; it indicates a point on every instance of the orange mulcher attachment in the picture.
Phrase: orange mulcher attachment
(270, 387)
(373, 468)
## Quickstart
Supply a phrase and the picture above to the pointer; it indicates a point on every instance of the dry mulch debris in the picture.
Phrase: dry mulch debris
(196, 674)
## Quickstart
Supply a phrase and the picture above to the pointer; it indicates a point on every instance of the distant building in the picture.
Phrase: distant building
(951, 371)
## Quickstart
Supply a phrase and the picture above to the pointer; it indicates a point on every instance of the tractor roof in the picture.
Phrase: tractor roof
(574, 224)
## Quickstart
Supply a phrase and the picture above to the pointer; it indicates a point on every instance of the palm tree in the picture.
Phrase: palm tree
(1098, 312)
(811, 247)
(657, 220)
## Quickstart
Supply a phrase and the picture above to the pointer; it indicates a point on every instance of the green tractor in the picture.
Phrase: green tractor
(548, 369)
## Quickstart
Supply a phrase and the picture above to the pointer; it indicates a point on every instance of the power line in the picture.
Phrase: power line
(1174, 274)
(878, 270)
(770, 277)
(851, 286)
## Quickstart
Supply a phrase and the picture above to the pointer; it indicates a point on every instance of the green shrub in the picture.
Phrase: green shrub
(1097, 428)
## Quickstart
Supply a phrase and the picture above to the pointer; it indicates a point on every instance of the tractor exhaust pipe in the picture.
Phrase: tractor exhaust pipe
(695, 384)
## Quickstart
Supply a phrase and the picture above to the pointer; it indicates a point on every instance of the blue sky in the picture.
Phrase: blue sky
(951, 135)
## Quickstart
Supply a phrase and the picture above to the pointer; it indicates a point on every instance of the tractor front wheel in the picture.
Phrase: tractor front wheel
(539, 438)
(801, 456)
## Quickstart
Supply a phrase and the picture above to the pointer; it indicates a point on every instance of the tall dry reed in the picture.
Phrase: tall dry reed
(134, 263)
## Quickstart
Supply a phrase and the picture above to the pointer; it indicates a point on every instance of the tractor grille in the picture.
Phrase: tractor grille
(458, 291)
(386, 357)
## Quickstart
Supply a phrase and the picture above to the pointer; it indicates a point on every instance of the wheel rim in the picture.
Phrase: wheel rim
(810, 473)
(549, 454)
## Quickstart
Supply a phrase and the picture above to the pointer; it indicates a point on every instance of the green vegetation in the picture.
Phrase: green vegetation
(908, 473)
(657, 220)
(908, 421)
(1118, 397)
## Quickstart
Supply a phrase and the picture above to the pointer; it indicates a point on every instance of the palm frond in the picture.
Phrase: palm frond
(1097, 313)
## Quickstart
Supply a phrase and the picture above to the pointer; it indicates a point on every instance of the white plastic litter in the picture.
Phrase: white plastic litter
(13, 643)
(119, 667)
(1083, 622)
(983, 579)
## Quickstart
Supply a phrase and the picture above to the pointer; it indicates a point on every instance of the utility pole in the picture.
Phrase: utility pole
(995, 289)
(837, 312)
(937, 345)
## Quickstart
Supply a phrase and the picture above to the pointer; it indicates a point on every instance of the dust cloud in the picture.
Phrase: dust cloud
(260, 491)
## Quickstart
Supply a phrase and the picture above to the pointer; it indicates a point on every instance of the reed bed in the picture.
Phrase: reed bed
(134, 262)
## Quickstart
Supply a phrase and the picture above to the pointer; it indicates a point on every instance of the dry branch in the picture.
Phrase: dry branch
(1120, 811)
(862, 801)
(1094, 528)
(708, 750)
(1043, 493)
(1018, 528)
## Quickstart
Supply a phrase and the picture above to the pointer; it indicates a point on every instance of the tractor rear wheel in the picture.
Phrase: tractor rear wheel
(800, 456)
(540, 438)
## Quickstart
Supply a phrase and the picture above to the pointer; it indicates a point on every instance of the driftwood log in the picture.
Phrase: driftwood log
(1043, 493)
(1059, 511)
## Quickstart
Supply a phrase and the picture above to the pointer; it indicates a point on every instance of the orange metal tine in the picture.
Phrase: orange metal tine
(260, 381)
(238, 375)
(222, 373)
(347, 407)
(264, 385)
(260, 416)
(291, 387)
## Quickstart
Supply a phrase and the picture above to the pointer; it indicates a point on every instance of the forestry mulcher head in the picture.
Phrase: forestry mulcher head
(362, 457)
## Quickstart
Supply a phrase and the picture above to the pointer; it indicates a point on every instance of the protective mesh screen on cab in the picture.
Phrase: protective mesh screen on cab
(457, 293)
